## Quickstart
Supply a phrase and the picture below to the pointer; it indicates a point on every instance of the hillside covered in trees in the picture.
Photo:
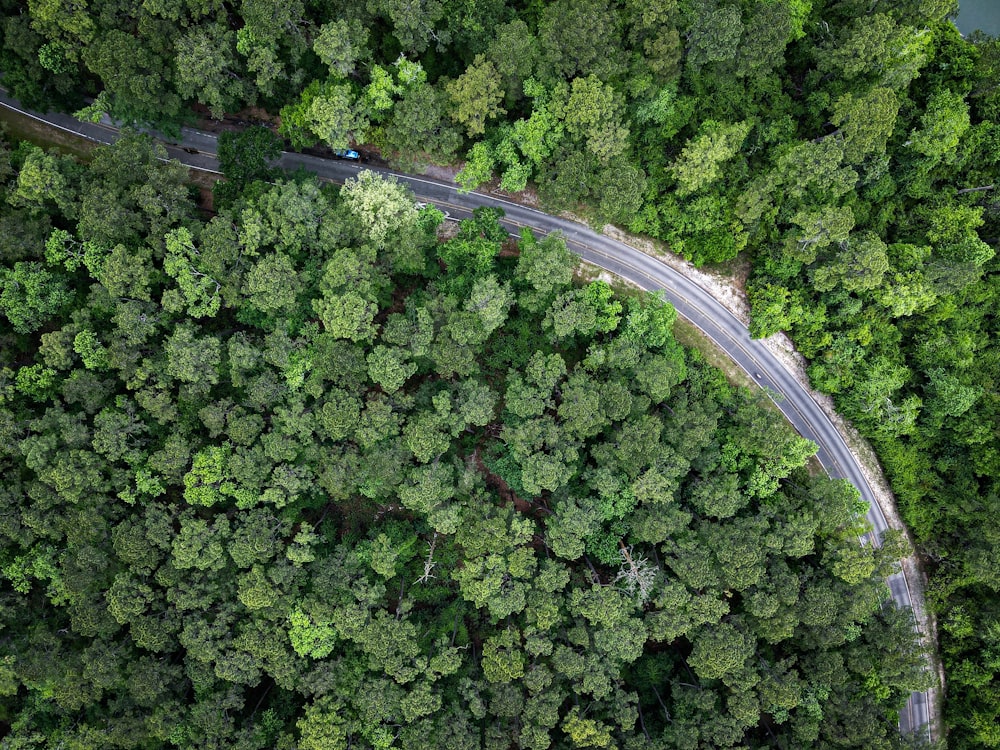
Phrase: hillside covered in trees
(848, 149)
(304, 475)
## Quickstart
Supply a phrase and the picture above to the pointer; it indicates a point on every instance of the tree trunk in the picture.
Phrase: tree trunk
(975, 189)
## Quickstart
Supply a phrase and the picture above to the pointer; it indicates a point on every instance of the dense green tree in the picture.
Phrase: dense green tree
(30, 295)
(341, 45)
(420, 126)
(544, 267)
(273, 39)
(414, 25)
(593, 116)
(42, 181)
(580, 38)
(134, 76)
(879, 49)
(942, 126)
(334, 387)
(208, 69)
(476, 96)
(865, 122)
(382, 206)
(327, 112)
(714, 35)
(245, 156)
(700, 163)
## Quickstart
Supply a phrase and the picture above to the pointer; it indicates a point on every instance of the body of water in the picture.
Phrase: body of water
(979, 14)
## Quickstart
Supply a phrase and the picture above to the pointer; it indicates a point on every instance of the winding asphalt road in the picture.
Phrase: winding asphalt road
(197, 149)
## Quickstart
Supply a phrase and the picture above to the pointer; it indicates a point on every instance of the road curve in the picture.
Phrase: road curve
(198, 149)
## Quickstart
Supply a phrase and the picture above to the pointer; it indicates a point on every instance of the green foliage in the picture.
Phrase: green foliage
(327, 359)
(341, 44)
(381, 206)
(476, 96)
(199, 291)
(328, 112)
(942, 126)
(246, 155)
(866, 122)
(420, 129)
(367, 500)
(478, 167)
(592, 115)
(388, 367)
(207, 65)
(41, 182)
(585, 311)
(30, 295)
(700, 163)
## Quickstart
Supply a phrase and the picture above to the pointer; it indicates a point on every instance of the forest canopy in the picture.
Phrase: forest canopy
(844, 153)
(305, 474)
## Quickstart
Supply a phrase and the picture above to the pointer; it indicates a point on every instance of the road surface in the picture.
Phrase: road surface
(197, 149)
